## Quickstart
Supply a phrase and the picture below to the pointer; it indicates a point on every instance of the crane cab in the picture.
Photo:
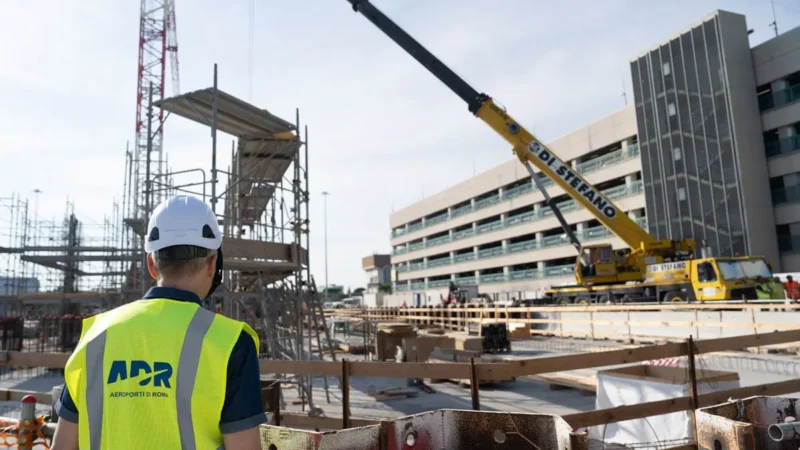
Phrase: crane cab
(601, 264)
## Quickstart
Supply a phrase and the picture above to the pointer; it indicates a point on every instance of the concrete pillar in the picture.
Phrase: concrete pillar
(452, 256)
(504, 242)
(424, 241)
(475, 250)
(575, 162)
(478, 276)
(474, 227)
(500, 193)
(541, 265)
(503, 217)
(506, 271)
(580, 226)
(453, 277)
(634, 214)
(629, 179)
(472, 203)
(536, 209)
(450, 232)
(539, 237)
(423, 221)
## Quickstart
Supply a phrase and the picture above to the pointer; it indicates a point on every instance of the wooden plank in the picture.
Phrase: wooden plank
(409, 370)
(300, 367)
(740, 342)
(16, 395)
(627, 412)
(638, 411)
(563, 363)
(32, 359)
(567, 379)
(779, 388)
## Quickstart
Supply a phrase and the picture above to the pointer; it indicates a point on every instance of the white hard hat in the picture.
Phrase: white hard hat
(182, 220)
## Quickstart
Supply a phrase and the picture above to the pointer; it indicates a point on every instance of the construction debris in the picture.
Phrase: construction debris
(444, 355)
(393, 393)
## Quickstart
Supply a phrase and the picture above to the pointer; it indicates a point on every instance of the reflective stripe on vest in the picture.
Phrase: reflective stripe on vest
(192, 339)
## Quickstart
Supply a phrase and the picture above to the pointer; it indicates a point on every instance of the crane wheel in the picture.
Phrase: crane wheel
(675, 297)
(582, 301)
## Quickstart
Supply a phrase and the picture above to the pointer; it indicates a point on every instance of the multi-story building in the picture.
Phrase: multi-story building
(720, 161)
(717, 126)
(378, 271)
(493, 229)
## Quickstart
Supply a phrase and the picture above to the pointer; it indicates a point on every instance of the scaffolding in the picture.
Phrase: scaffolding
(57, 266)
(261, 200)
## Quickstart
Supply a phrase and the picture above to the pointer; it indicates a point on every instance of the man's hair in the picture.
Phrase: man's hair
(180, 260)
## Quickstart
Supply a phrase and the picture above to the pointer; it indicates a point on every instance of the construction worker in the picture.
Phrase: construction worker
(164, 372)
(778, 291)
(763, 288)
(792, 289)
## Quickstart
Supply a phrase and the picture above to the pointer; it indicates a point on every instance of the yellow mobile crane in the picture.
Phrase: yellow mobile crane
(660, 270)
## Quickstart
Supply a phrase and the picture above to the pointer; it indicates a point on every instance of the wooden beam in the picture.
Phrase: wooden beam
(564, 363)
(410, 370)
(30, 359)
(16, 395)
(741, 342)
(332, 368)
(638, 411)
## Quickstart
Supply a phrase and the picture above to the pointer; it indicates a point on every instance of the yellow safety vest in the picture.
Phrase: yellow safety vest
(152, 374)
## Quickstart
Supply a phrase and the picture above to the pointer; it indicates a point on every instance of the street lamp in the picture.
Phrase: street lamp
(35, 218)
(325, 195)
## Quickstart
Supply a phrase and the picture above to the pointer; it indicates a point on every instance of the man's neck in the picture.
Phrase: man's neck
(181, 284)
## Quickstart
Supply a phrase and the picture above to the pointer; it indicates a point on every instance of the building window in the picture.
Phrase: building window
(682, 194)
(676, 153)
(671, 109)
(666, 69)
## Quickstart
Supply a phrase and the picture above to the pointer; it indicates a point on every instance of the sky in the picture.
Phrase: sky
(383, 133)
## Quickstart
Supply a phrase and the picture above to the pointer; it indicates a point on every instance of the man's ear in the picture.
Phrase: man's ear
(151, 266)
(211, 265)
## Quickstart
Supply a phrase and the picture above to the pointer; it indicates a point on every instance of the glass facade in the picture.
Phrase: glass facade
(689, 161)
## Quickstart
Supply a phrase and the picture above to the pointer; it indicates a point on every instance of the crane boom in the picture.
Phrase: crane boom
(527, 148)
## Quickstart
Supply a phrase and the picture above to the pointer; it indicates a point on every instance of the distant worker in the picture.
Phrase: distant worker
(778, 291)
(164, 372)
(792, 289)
(763, 288)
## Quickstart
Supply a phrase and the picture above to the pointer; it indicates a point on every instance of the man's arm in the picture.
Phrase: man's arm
(242, 411)
(66, 436)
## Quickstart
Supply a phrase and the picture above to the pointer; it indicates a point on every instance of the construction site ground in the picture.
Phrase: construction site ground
(555, 393)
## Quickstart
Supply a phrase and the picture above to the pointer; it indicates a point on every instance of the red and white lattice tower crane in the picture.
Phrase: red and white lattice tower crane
(157, 37)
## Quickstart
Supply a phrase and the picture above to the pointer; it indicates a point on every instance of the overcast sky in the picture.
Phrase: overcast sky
(383, 132)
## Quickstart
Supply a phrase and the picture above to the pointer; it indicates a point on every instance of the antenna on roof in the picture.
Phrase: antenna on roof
(624, 92)
(774, 23)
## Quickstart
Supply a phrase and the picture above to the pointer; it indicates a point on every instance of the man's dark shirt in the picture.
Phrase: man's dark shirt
(242, 408)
